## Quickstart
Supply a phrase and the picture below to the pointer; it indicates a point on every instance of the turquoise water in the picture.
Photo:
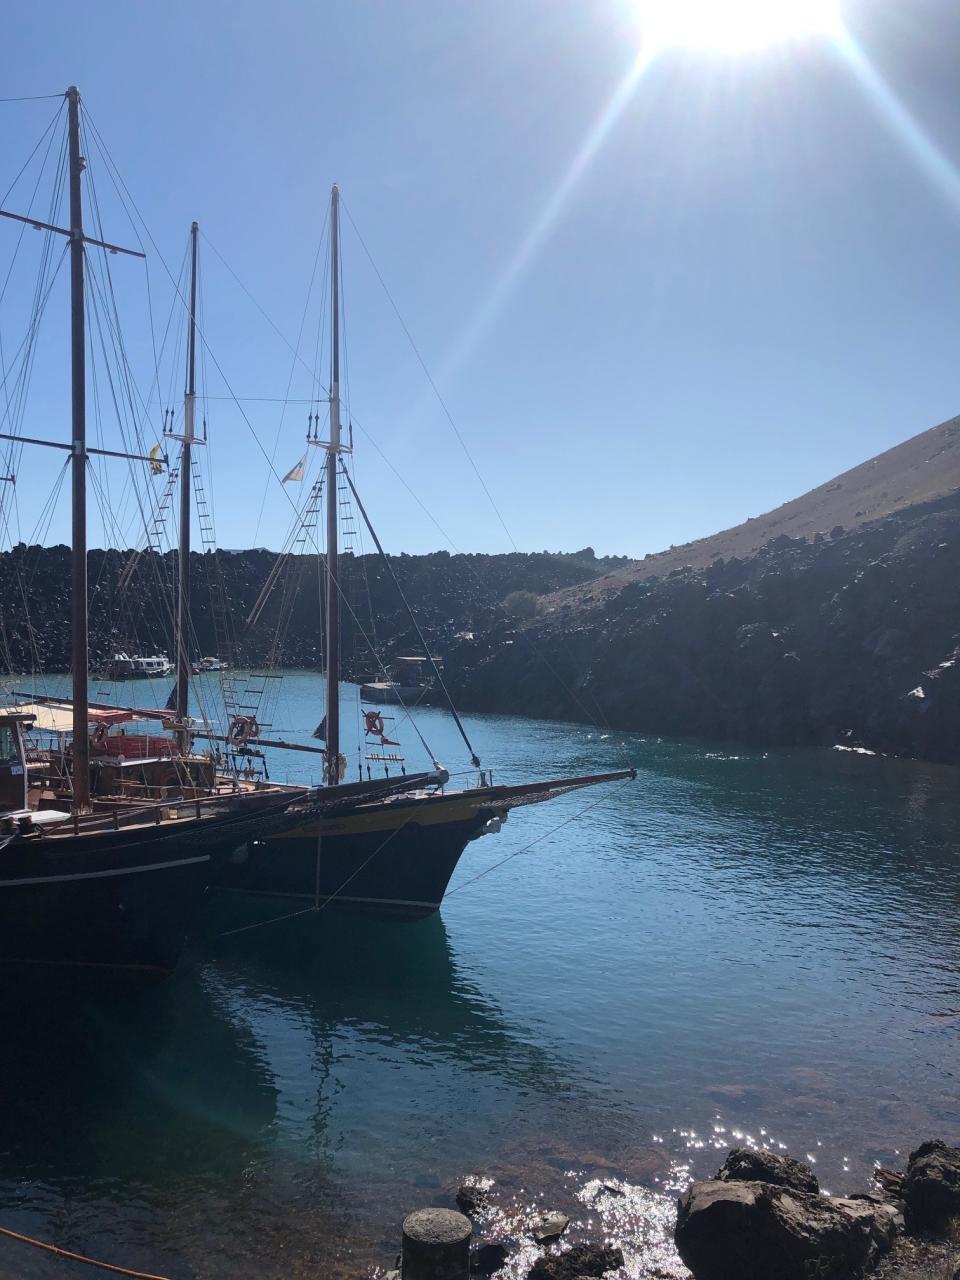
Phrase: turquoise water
(751, 943)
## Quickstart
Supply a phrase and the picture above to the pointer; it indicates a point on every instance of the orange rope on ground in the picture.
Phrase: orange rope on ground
(78, 1257)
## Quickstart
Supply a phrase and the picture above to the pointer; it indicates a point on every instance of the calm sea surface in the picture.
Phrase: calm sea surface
(740, 945)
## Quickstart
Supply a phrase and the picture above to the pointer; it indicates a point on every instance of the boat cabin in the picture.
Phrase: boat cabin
(409, 672)
(124, 761)
(13, 763)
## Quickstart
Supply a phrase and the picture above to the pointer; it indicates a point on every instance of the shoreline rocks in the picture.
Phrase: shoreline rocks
(730, 1230)
(763, 1215)
(577, 1263)
(931, 1187)
(849, 641)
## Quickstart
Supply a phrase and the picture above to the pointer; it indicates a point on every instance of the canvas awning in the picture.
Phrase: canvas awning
(57, 717)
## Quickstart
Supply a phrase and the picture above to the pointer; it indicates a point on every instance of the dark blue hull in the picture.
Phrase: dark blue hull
(395, 860)
(119, 899)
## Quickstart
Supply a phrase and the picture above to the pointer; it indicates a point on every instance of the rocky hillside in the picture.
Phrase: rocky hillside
(130, 602)
(923, 468)
(845, 635)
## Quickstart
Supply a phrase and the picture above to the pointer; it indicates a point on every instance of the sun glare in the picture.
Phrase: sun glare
(735, 26)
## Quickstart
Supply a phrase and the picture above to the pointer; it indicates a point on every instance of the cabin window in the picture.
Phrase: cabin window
(8, 746)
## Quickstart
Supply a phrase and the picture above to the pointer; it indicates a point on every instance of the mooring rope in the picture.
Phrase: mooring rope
(79, 1257)
(527, 847)
(474, 758)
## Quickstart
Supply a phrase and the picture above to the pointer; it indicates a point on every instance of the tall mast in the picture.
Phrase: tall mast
(78, 591)
(333, 498)
(186, 479)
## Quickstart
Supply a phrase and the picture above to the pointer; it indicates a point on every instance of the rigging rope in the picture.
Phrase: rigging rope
(527, 847)
(319, 906)
(474, 758)
(429, 377)
(596, 716)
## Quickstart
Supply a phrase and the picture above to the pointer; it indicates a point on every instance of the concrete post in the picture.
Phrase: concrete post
(436, 1245)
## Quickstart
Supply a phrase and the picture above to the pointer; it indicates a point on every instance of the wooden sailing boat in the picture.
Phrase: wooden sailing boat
(107, 843)
(391, 856)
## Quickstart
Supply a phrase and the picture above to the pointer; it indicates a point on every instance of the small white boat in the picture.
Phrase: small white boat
(124, 667)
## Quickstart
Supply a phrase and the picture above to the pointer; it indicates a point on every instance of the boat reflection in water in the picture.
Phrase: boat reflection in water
(285, 1093)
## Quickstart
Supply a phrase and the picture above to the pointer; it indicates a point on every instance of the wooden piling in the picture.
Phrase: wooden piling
(436, 1245)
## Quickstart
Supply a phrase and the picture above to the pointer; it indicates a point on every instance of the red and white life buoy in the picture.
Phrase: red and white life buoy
(373, 723)
(243, 728)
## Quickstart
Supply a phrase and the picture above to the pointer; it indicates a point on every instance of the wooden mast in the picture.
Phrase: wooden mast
(186, 479)
(78, 593)
(77, 447)
(333, 498)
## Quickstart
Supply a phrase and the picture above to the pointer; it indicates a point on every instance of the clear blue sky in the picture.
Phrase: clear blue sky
(748, 282)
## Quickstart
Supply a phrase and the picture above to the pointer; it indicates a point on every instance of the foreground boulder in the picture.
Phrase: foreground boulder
(736, 1230)
(746, 1165)
(931, 1188)
(583, 1260)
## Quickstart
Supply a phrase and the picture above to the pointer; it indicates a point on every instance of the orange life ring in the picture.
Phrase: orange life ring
(373, 721)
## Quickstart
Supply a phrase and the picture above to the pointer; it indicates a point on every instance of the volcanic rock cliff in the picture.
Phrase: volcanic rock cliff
(131, 597)
(791, 628)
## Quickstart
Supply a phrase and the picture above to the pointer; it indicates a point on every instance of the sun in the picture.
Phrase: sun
(734, 26)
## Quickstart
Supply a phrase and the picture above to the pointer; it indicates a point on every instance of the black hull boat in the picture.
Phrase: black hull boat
(393, 858)
(390, 856)
(120, 896)
(108, 840)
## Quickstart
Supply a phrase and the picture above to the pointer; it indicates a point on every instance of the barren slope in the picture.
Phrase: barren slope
(924, 467)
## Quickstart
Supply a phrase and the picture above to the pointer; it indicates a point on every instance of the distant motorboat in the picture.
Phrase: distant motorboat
(209, 664)
(124, 667)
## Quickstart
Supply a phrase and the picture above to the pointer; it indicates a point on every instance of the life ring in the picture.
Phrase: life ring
(373, 722)
(244, 727)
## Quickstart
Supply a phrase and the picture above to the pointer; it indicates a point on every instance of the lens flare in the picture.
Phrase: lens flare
(735, 26)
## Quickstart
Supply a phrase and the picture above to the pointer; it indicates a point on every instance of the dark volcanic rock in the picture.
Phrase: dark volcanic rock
(130, 606)
(931, 1188)
(581, 1261)
(890, 1182)
(756, 1231)
(744, 1165)
(850, 640)
(471, 1198)
(487, 1257)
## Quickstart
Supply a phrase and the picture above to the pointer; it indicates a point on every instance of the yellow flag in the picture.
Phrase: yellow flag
(156, 465)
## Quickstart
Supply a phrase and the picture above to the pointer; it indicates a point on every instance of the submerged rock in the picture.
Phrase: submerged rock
(471, 1198)
(931, 1187)
(583, 1260)
(546, 1227)
(745, 1165)
(487, 1257)
(736, 1230)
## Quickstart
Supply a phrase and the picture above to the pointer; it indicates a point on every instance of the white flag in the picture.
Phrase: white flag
(296, 473)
